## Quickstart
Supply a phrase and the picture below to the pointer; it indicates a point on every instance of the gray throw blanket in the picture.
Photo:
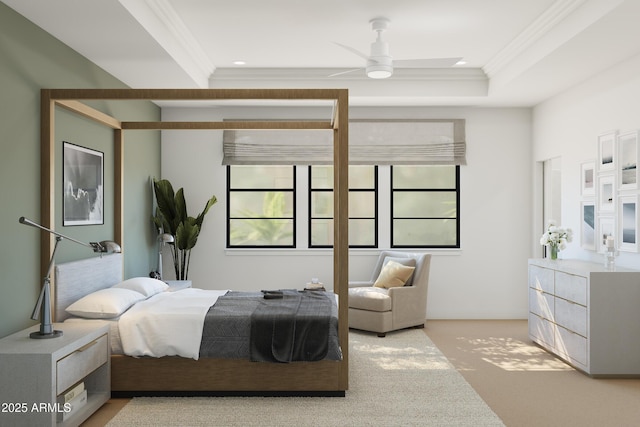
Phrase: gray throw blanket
(227, 332)
(293, 328)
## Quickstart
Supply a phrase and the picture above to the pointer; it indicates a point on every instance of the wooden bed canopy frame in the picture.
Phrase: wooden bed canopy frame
(179, 375)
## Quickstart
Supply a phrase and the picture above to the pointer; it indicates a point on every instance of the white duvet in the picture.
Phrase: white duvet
(167, 324)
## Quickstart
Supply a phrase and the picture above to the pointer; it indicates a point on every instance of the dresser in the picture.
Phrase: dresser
(36, 375)
(586, 315)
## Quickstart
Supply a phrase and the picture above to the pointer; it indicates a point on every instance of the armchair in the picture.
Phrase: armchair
(379, 309)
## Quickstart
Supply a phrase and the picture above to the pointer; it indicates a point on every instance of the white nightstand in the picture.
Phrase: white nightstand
(37, 372)
(176, 285)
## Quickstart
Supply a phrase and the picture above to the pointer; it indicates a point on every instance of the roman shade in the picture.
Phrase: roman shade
(371, 142)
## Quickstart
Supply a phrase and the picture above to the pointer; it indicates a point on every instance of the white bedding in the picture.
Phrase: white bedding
(159, 347)
(114, 331)
(167, 324)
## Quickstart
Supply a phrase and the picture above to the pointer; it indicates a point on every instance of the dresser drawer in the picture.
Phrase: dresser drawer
(541, 278)
(77, 365)
(571, 346)
(541, 303)
(571, 316)
(541, 330)
(571, 287)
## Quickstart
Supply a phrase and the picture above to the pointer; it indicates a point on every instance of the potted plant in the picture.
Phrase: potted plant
(172, 218)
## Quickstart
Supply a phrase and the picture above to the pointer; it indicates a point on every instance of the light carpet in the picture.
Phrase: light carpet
(399, 380)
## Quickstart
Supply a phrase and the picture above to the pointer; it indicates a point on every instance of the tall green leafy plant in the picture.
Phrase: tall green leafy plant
(171, 217)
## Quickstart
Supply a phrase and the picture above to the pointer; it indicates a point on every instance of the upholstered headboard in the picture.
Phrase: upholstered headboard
(79, 278)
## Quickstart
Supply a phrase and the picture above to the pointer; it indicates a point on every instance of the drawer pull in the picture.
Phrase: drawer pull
(86, 347)
(574, 303)
(574, 333)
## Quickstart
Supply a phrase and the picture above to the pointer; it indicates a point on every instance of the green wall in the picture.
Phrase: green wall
(31, 59)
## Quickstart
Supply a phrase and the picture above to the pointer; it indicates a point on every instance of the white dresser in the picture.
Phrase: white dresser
(586, 315)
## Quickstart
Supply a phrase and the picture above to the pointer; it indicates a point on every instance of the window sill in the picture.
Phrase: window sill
(329, 252)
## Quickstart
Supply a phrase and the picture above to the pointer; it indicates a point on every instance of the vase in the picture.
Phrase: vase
(553, 251)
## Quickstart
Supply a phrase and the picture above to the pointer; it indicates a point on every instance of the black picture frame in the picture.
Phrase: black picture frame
(82, 186)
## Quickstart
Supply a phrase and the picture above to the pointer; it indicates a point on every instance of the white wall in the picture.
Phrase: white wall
(485, 279)
(568, 126)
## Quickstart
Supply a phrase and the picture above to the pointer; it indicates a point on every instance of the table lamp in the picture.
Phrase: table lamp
(42, 309)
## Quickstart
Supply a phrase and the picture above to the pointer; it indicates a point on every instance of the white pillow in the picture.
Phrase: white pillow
(409, 262)
(393, 275)
(147, 286)
(105, 303)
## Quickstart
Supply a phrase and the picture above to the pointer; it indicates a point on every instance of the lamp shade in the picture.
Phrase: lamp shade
(166, 238)
(109, 246)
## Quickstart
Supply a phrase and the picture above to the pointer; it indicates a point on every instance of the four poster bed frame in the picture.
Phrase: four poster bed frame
(175, 375)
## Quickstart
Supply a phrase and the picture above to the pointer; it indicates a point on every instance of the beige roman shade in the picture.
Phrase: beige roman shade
(371, 142)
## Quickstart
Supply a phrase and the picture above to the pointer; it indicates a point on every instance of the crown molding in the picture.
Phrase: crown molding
(534, 32)
(417, 84)
(313, 74)
(164, 25)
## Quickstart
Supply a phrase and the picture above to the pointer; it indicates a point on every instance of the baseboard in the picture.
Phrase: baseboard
(200, 393)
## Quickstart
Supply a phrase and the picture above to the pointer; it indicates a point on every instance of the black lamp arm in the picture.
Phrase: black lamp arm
(96, 246)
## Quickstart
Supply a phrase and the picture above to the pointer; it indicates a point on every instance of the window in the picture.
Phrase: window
(363, 206)
(420, 206)
(425, 203)
(261, 206)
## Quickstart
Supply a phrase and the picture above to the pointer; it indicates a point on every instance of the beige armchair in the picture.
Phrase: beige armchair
(383, 309)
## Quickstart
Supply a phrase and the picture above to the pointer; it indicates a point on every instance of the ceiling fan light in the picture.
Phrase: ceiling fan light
(379, 71)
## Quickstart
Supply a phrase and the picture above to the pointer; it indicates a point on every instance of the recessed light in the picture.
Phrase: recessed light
(239, 63)
(461, 62)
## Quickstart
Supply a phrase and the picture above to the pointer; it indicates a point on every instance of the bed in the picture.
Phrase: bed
(177, 375)
(188, 375)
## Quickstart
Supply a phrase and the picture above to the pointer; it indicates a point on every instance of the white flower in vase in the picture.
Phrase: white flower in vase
(556, 238)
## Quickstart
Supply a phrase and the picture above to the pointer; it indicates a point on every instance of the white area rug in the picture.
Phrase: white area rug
(399, 380)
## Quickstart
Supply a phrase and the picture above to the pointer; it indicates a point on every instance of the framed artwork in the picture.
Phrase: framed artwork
(83, 191)
(588, 178)
(628, 223)
(628, 161)
(606, 227)
(607, 151)
(606, 193)
(588, 225)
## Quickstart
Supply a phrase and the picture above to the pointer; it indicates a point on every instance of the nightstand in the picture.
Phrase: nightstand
(176, 285)
(36, 374)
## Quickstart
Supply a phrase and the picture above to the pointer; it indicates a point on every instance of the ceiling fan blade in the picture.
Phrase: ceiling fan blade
(352, 50)
(426, 63)
(345, 72)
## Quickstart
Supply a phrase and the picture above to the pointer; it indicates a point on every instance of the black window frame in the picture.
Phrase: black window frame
(457, 217)
(375, 189)
(292, 190)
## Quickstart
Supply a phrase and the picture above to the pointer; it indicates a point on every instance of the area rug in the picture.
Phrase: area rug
(399, 380)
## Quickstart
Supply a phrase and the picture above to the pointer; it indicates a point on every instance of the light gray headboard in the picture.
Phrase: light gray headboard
(79, 278)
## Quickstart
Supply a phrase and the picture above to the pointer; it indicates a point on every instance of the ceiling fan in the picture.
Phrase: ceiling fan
(380, 63)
